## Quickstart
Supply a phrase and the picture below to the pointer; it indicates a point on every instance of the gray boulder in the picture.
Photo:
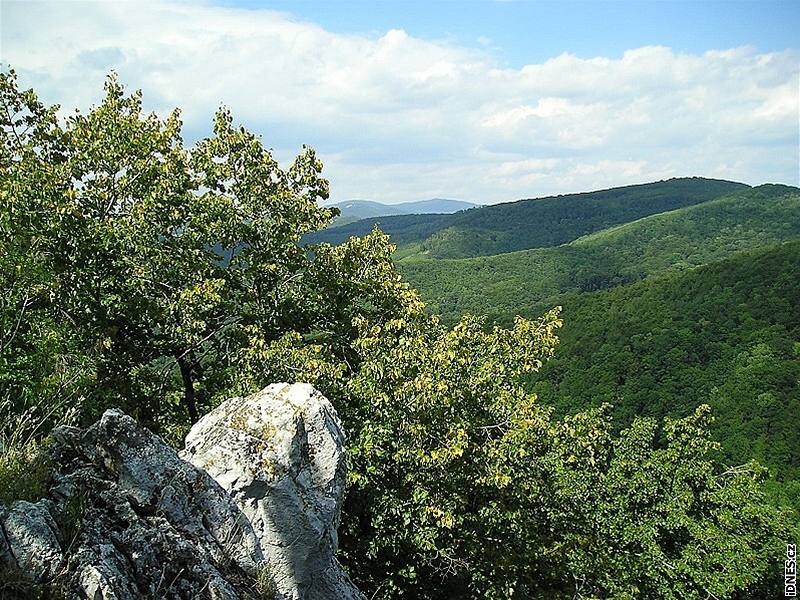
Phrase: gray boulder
(280, 455)
(126, 517)
(29, 539)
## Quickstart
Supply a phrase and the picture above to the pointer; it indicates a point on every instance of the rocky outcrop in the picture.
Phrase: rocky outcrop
(250, 511)
(28, 539)
(279, 454)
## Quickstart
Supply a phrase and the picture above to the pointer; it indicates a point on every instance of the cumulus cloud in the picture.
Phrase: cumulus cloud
(396, 117)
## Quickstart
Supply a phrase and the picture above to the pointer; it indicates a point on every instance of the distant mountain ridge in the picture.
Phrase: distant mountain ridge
(355, 210)
(529, 281)
(531, 223)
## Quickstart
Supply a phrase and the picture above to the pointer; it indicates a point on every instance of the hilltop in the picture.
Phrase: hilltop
(355, 210)
(529, 281)
(531, 223)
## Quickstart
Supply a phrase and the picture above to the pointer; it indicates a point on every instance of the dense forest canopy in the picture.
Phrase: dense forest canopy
(533, 223)
(553, 221)
(726, 334)
(462, 482)
(528, 281)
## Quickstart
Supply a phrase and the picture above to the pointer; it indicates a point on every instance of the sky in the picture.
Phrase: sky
(486, 101)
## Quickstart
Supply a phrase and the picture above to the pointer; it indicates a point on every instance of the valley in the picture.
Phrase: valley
(674, 294)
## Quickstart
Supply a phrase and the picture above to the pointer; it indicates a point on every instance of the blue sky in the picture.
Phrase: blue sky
(521, 32)
(484, 101)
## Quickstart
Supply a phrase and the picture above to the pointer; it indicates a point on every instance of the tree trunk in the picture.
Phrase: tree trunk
(189, 399)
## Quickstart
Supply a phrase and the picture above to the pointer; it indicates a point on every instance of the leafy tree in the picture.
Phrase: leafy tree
(40, 365)
(144, 265)
(464, 485)
(140, 273)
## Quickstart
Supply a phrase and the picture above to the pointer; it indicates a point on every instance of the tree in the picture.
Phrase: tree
(464, 485)
(141, 273)
(157, 261)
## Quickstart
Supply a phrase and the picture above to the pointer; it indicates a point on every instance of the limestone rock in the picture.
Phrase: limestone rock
(135, 521)
(251, 513)
(279, 454)
(29, 533)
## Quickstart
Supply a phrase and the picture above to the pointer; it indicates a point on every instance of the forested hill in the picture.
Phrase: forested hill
(355, 210)
(403, 229)
(726, 334)
(556, 220)
(532, 223)
(530, 281)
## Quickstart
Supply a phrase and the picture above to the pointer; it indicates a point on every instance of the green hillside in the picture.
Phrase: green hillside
(726, 334)
(404, 229)
(559, 219)
(532, 223)
(528, 281)
(351, 211)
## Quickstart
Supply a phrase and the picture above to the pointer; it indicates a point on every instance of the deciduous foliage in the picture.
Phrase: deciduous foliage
(139, 262)
(464, 485)
(726, 334)
(505, 285)
(139, 272)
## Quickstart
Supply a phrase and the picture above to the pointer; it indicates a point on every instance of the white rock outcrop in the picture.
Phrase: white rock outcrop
(280, 455)
(249, 510)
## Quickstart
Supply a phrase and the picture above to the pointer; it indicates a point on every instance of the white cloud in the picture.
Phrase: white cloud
(396, 117)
